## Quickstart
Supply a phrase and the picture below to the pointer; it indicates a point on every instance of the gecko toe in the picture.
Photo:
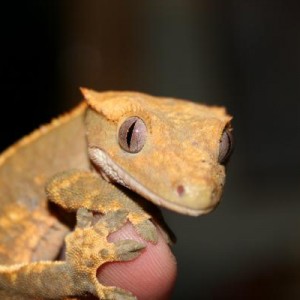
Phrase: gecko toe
(128, 249)
(147, 231)
(114, 293)
(112, 221)
(84, 218)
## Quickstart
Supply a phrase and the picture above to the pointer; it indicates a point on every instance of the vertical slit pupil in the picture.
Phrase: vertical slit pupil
(130, 133)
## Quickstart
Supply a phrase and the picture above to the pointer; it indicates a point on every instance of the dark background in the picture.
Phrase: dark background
(241, 54)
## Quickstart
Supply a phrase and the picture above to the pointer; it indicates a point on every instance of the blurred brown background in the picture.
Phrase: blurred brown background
(241, 54)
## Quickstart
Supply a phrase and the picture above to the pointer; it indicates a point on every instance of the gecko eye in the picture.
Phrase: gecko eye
(132, 135)
(226, 146)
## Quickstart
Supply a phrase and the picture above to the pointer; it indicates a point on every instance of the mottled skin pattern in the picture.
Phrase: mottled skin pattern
(52, 165)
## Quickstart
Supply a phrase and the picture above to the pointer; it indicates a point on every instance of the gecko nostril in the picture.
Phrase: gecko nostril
(180, 190)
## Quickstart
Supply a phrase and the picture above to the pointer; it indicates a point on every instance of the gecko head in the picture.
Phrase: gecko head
(170, 151)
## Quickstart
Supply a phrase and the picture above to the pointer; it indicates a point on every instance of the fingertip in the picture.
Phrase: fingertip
(150, 276)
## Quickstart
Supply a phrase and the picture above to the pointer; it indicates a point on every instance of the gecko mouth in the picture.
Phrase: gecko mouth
(111, 171)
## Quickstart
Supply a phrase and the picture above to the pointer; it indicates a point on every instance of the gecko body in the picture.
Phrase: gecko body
(168, 151)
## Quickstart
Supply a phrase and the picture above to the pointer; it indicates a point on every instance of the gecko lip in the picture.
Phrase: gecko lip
(117, 174)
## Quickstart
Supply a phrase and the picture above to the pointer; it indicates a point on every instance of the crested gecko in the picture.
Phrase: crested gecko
(169, 151)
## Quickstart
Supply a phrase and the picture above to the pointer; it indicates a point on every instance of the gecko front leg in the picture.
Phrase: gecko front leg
(87, 247)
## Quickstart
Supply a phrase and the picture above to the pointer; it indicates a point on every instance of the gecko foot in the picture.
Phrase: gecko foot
(87, 249)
